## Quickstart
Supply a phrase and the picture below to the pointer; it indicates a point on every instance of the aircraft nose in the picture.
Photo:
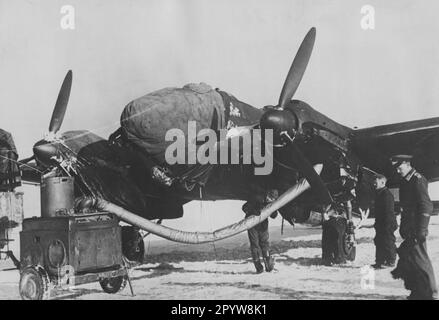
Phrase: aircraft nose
(44, 151)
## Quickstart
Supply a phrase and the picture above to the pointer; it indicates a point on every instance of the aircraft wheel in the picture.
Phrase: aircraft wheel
(133, 247)
(338, 246)
(113, 285)
(34, 283)
(346, 242)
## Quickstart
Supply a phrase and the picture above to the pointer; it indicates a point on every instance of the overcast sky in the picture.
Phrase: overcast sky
(120, 50)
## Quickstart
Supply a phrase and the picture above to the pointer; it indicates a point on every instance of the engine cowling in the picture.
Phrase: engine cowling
(279, 121)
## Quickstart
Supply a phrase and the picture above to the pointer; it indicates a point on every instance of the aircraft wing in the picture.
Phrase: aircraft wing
(420, 138)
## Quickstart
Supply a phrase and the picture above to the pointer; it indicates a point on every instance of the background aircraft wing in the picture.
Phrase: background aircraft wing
(420, 138)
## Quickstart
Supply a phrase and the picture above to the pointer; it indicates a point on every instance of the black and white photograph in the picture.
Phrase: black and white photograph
(239, 151)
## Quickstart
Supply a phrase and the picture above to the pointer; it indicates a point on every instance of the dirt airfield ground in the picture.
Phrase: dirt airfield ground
(225, 271)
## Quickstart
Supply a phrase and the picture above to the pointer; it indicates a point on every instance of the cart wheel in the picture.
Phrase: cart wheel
(34, 283)
(113, 285)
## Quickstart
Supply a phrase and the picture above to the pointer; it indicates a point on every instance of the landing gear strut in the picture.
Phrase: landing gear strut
(349, 238)
(349, 247)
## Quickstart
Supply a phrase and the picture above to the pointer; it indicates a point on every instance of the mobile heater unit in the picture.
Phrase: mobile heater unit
(63, 248)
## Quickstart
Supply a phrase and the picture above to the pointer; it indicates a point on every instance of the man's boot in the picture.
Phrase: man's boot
(259, 267)
(257, 262)
(269, 262)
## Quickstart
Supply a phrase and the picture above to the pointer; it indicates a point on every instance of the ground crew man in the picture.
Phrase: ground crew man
(259, 235)
(414, 265)
(385, 225)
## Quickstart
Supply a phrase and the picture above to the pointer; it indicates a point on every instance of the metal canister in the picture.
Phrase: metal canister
(57, 196)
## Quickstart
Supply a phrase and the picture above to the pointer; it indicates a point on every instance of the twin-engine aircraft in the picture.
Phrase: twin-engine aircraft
(318, 164)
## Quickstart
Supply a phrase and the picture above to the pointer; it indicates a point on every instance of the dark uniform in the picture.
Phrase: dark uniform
(259, 238)
(385, 226)
(414, 265)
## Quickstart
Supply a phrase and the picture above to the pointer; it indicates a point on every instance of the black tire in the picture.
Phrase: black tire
(133, 247)
(336, 247)
(34, 283)
(113, 285)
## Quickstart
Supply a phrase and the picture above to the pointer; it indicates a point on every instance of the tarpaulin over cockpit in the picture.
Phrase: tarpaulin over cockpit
(146, 120)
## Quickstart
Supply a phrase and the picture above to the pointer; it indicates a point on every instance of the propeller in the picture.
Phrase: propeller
(45, 149)
(284, 122)
(61, 104)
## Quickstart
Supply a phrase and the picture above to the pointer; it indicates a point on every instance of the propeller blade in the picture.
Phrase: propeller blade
(61, 104)
(307, 170)
(297, 68)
